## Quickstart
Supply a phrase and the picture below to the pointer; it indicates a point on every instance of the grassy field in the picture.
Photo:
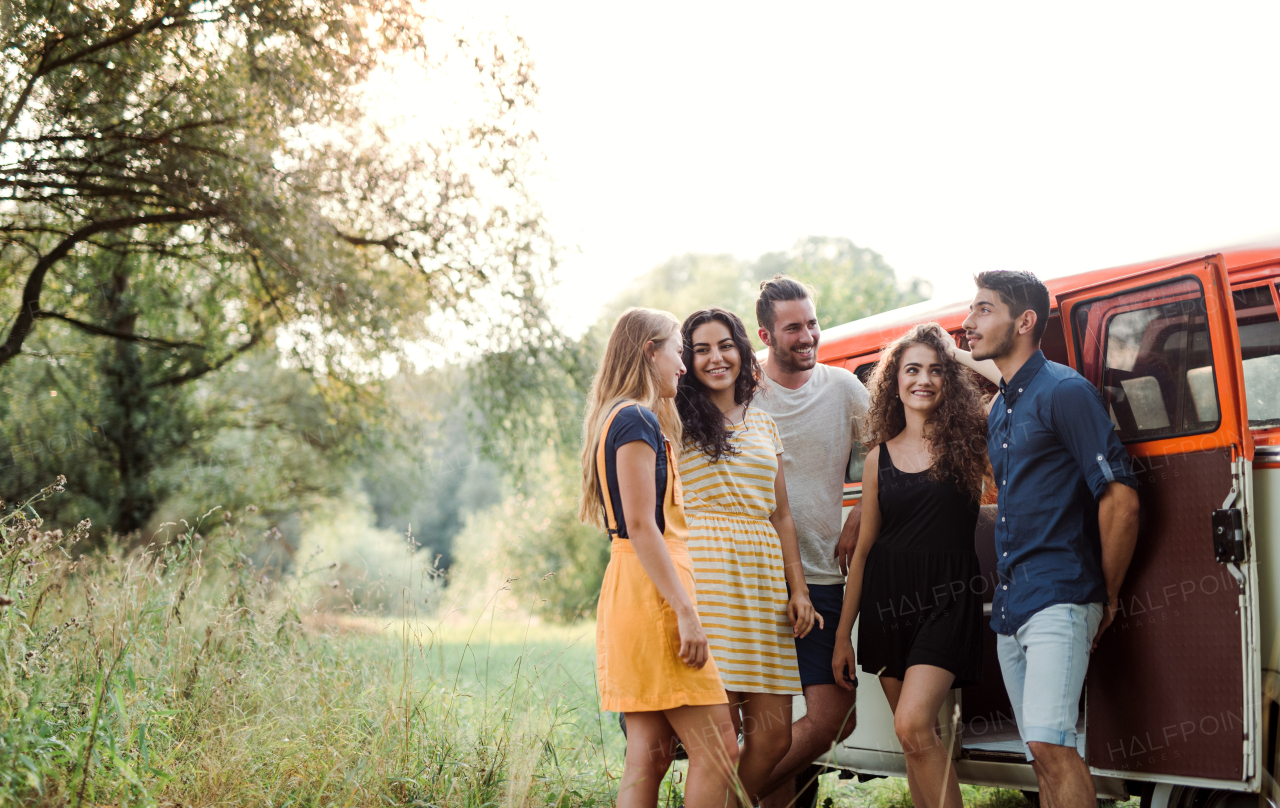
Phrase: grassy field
(180, 674)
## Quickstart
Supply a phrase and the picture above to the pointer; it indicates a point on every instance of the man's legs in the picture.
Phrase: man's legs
(1064, 778)
(829, 715)
(766, 736)
(1044, 665)
(829, 718)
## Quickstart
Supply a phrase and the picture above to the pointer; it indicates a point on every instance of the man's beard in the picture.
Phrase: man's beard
(789, 364)
(1003, 347)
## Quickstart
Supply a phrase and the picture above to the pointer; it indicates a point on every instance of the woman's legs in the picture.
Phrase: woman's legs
(766, 736)
(650, 745)
(916, 701)
(708, 736)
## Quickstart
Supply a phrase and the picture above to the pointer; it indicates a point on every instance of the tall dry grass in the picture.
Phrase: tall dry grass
(180, 673)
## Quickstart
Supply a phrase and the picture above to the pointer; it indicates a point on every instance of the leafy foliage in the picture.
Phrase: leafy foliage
(184, 185)
(849, 282)
(229, 144)
(428, 474)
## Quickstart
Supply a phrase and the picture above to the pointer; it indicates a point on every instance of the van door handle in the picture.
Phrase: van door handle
(1228, 536)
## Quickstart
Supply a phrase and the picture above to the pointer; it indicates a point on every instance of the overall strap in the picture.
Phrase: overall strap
(601, 469)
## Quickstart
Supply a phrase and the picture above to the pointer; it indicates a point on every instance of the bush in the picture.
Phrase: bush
(533, 542)
(372, 568)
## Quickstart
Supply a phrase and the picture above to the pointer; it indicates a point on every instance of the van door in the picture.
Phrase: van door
(1173, 689)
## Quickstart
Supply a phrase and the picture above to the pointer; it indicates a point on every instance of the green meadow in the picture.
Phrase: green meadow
(179, 674)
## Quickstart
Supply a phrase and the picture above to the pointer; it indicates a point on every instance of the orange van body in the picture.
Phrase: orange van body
(856, 344)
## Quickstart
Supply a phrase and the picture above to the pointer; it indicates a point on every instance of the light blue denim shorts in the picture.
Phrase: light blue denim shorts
(1044, 663)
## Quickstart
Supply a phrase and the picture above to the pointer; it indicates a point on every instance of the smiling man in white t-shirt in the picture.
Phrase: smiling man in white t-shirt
(818, 410)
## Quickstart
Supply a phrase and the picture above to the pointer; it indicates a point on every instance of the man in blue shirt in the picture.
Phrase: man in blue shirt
(1067, 521)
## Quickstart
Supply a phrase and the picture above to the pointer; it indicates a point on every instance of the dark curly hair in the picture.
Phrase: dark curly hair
(704, 426)
(959, 436)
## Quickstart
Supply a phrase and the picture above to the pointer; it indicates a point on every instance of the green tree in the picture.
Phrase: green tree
(232, 141)
(181, 182)
(849, 282)
(686, 283)
(429, 473)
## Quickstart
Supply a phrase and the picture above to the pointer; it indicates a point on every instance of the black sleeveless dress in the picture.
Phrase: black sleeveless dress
(922, 586)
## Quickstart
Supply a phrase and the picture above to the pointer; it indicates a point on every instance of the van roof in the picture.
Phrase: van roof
(871, 333)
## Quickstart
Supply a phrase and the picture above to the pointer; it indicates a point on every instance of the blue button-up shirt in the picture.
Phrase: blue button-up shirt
(1053, 452)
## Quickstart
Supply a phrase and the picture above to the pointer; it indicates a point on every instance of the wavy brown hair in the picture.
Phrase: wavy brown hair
(958, 437)
(704, 426)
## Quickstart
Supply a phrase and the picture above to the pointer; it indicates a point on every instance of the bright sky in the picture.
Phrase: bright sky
(948, 137)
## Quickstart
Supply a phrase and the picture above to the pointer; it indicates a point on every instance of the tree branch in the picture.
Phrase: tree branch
(30, 305)
(390, 243)
(197, 372)
(17, 107)
(98, 330)
(179, 19)
(46, 66)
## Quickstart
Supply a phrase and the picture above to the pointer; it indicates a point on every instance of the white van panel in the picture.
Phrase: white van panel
(1266, 547)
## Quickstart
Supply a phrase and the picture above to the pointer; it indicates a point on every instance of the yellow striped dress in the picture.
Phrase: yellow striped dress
(737, 559)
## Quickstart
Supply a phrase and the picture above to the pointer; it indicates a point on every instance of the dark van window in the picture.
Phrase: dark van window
(853, 474)
(1260, 349)
(1157, 369)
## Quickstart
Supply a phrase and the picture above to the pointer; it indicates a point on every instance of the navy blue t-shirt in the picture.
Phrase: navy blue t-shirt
(634, 423)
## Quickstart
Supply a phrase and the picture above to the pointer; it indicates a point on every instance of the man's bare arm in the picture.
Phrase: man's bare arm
(849, 537)
(1118, 525)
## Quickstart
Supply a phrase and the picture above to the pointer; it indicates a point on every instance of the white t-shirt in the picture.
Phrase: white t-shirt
(819, 423)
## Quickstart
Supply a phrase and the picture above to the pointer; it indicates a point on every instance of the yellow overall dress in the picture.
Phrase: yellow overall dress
(638, 666)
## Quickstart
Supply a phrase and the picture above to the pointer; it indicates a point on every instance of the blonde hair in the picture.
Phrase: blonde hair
(625, 374)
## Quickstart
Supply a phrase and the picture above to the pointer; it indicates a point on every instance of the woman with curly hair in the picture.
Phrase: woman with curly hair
(910, 578)
(741, 538)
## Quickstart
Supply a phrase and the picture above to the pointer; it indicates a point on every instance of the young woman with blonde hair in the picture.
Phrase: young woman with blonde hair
(652, 659)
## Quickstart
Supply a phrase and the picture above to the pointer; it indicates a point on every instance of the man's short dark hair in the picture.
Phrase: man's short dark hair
(1020, 291)
(777, 288)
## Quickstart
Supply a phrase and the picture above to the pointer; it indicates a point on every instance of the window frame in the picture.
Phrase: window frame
(1272, 282)
(1104, 339)
(1224, 343)
(853, 364)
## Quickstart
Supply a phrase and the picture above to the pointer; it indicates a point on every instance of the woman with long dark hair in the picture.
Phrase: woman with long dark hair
(742, 540)
(912, 570)
(652, 659)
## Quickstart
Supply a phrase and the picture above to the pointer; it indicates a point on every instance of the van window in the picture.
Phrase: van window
(1157, 365)
(853, 474)
(1260, 349)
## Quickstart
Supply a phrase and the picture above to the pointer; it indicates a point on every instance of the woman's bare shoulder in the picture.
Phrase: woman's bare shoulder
(873, 458)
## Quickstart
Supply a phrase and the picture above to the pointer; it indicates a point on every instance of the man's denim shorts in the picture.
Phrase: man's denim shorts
(1044, 663)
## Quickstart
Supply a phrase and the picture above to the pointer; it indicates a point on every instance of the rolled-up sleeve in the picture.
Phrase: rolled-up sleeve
(1080, 421)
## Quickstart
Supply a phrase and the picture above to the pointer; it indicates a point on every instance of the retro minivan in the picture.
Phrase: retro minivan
(1182, 699)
